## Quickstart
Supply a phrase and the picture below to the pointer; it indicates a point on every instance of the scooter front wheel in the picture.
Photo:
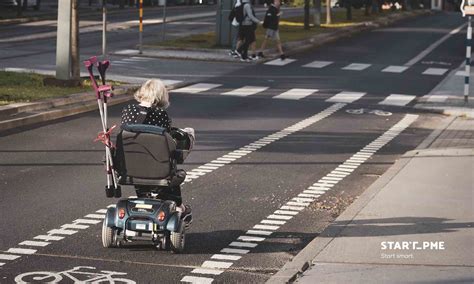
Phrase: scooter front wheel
(108, 236)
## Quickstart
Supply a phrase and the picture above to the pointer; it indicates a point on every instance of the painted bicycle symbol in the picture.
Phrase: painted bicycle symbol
(369, 111)
(75, 275)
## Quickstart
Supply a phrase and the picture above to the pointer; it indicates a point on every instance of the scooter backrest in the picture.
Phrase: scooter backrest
(144, 153)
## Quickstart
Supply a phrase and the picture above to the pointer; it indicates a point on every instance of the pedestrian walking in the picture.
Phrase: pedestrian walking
(271, 23)
(236, 42)
(247, 29)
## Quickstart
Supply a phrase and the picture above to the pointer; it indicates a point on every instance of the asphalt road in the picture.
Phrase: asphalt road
(51, 175)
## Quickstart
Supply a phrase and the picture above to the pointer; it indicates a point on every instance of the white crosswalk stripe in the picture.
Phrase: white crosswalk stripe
(318, 64)
(345, 97)
(395, 69)
(197, 88)
(437, 98)
(397, 100)
(295, 94)
(279, 62)
(356, 66)
(435, 71)
(246, 91)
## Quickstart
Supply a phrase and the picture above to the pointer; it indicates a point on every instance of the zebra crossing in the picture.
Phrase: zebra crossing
(357, 67)
(293, 94)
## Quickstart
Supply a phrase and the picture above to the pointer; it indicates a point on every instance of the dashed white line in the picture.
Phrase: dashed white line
(74, 226)
(196, 88)
(21, 251)
(242, 244)
(356, 66)
(226, 257)
(216, 264)
(62, 232)
(87, 221)
(34, 243)
(258, 233)
(246, 91)
(286, 212)
(279, 62)
(266, 227)
(95, 216)
(435, 71)
(9, 256)
(296, 94)
(346, 97)
(397, 100)
(279, 217)
(207, 271)
(395, 69)
(273, 222)
(197, 280)
(318, 64)
(234, 250)
(250, 239)
(48, 238)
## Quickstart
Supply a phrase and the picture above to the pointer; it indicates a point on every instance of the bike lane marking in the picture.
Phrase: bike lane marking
(95, 218)
(321, 186)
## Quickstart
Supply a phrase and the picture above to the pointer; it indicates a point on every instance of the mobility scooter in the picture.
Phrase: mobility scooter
(145, 157)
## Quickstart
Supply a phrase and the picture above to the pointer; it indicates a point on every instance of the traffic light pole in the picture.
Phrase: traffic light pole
(63, 42)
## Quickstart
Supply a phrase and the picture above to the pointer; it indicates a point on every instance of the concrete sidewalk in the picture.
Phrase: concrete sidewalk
(426, 197)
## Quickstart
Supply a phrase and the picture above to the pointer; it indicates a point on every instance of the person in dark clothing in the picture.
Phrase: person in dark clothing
(247, 30)
(271, 23)
(153, 99)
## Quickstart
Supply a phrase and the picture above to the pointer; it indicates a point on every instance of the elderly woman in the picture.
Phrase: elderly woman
(153, 99)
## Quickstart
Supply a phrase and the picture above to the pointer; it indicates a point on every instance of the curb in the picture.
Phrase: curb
(57, 108)
(303, 260)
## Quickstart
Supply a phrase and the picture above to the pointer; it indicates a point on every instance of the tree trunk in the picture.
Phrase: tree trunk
(75, 67)
(19, 8)
(306, 14)
(328, 12)
(348, 4)
(317, 13)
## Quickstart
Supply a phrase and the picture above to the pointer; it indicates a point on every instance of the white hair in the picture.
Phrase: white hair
(153, 92)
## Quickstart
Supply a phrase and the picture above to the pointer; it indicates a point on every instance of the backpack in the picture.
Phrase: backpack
(239, 13)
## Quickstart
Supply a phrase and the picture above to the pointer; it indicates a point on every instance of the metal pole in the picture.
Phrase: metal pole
(104, 28)
(164, 20)
(468, 59)
(141, 28)
(63, 42)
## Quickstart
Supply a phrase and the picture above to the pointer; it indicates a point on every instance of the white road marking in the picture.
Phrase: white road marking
(9, 256)
(297, 208)
(318, 64)
(197, 280)
(233, 250)
(279, 62)
(34, 243)
(2, 263)
(315, 192)
(97, 216)
(434, 45)
(74, 226)
(62, 232)
(435, 71)
(246, 91)
(216, 264)
(273, 222)
(242, 245)
(207, 271)
(196, 88)
(346, 97)
(101, 211)
(295, 94)
(280, 217)
(397, 100)
(87, 221)
(226, 257)
(302, 199)
(265, 227)
(48, 238)
(258, 233)
(395, 69)
(437, 98)
(356, 66)
(307, 194)
(21, 251)
(291, 203)
(250, 239)
(286, 212)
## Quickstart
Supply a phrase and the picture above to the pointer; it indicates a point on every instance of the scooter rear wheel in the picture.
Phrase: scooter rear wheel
(108, 236)
(178, 239)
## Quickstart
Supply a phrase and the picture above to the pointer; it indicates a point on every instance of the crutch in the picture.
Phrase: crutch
(103, 92)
